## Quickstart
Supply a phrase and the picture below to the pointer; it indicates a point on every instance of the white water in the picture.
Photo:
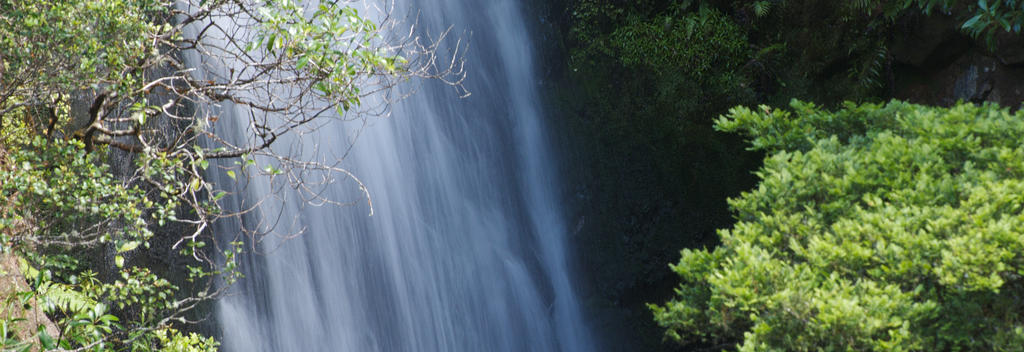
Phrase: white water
(467, 247)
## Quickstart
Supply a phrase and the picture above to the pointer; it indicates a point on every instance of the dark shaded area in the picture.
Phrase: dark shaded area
(647, 175)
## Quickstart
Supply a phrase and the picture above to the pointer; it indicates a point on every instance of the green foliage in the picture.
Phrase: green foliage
(647, 82)
(71, 199)
(824, 51)
(990, 17)
(62, 201)
(698, 43)
(855, 35)
(664, 71)
(174, 341)
(334, 44)
(55, 47)
(891, 227)
(666, 43)
(982, 18)
(84, 232)
(839, 50)
(761, 8)
(650, 75)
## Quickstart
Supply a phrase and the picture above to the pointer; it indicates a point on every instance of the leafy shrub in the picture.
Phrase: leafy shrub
(876, 227)
(697, 42)
(71, 199)
(61, 206)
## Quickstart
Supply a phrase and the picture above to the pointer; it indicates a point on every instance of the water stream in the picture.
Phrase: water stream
(466, 250)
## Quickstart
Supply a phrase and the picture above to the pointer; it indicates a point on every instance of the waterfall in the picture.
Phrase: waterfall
(466, 250)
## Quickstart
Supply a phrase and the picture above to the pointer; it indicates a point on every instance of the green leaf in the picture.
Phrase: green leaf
(219, 195)
(45, 339)
(971, 22)
(127, 246)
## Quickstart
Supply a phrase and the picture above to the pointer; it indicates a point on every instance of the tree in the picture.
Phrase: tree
(85, 81)
(875, 227)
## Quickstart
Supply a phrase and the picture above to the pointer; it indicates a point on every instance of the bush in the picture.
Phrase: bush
(875, 227)
(62, 207)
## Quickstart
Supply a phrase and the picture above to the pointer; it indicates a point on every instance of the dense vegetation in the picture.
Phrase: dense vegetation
(645, 81)
(893, 227)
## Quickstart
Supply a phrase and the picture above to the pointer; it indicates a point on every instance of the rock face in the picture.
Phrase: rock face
(929, 42)
(973, 77)
(939, 66)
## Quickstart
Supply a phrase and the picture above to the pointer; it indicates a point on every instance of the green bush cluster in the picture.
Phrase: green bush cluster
(62, 189)
(695, 43)
(875, 227)
(53, 48)
(61, 207)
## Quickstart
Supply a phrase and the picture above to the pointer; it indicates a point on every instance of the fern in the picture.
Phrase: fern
(761, 8)
(865, 5)
(868, 72)
(53, 296)
(63, 298)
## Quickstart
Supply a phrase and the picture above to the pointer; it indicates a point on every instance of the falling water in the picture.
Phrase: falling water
(466, 250)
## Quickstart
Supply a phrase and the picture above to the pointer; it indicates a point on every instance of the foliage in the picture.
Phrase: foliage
(313, 44)
(175, 341)
(665, 43)
(1006, 15)
(980, 19)
(62, 201)
(835, 51)
(70, 199)
(52, 47)
(876, 227)
(107, 116)
(646, 82)
(659, 77)
(649, 76)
